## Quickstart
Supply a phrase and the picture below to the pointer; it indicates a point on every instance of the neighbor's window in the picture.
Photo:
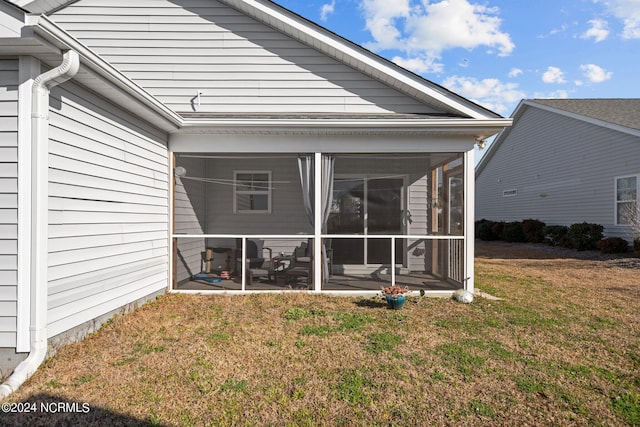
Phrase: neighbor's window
(626, 200)
(252, 191)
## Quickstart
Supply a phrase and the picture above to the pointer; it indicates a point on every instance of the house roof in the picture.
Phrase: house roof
(619, 111)
(299, 28)
(620, 114)
(359, 58)
(45, 40)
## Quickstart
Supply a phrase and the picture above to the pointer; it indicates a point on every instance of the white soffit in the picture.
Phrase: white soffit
(42, 6)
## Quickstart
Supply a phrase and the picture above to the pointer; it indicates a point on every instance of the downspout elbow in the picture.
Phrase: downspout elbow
(63, 72)
(39, 141)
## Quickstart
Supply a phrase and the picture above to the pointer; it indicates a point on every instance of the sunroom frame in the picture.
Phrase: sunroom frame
(313, 136)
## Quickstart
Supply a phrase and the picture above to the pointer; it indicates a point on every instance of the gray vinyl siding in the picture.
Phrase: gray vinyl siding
(563, 170)
(8, 201)
(418, 206)
(175, 48)
(108, 209)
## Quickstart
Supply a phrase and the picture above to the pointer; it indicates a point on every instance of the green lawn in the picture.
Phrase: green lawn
(561, 348)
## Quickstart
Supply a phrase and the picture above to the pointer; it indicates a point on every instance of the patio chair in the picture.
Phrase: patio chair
(300, 263)
(256, 264)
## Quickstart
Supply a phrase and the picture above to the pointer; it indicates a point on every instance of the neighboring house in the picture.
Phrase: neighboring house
(565, 161)
(281, 134)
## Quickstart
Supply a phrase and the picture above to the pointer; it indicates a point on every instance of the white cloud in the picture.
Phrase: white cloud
(424, 29)
(327, 9)
(594, 73)
(515, 72)
(553, 32)
(381, 18)
(553, 75)
(491, 93)
(628, 11)
(599, 30)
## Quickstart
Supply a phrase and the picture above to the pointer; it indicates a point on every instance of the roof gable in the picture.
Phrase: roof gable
(208, 57)
(618, 111)
(621, 115)
(396, 83)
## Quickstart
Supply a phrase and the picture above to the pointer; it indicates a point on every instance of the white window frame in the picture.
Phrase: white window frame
(617, 202)
(237, 192)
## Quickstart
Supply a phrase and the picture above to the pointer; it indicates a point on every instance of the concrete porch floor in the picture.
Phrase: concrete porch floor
(373, 282)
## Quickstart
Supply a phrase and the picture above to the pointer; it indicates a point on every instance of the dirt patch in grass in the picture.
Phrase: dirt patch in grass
(561, 347)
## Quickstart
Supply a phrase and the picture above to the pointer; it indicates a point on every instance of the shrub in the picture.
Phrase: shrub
(555, 235)
(484, 230)
(636, 246)
(497, 229)
(512, 232)
(613, 245)
(533, 230)
(584, 236)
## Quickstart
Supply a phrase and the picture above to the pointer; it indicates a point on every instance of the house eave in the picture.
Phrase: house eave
(479, 129)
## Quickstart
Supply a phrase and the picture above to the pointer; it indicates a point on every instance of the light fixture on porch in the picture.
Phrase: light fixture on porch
(179, 171)
(481, 142)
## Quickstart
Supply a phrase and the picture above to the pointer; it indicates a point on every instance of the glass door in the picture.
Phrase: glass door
(368, 206)
(384, 216)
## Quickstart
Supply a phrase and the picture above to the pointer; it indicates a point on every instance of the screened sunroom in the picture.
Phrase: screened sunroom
(338, 221)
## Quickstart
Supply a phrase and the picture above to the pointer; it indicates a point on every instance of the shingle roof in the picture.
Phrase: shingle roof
(619, 111)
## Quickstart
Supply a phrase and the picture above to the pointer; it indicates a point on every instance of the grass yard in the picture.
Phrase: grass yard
(561, 348)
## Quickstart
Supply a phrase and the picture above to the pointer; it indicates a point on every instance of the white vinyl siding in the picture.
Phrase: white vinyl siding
(8, 201)
(563, 169)
(176, 48)
(108, 209)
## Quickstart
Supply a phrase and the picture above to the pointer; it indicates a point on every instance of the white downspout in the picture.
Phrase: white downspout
(39, 219)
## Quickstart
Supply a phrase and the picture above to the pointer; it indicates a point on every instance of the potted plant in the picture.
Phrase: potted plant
(395, 296)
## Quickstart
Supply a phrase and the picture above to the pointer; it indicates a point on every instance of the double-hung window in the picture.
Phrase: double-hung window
(252, 192)
(627, 200)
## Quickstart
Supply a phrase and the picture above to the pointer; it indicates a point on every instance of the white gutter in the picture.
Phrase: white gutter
(39, 219)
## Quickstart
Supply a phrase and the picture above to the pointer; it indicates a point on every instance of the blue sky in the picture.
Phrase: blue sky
(496, 52)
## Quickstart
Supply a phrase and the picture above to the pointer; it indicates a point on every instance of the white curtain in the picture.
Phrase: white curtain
(305, 167)
(307, 183)
(327, 188)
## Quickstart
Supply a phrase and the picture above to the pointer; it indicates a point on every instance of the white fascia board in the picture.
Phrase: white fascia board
(326, 143)
(473, 127)
(587, 119)
(47, 29)
(330, 44)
